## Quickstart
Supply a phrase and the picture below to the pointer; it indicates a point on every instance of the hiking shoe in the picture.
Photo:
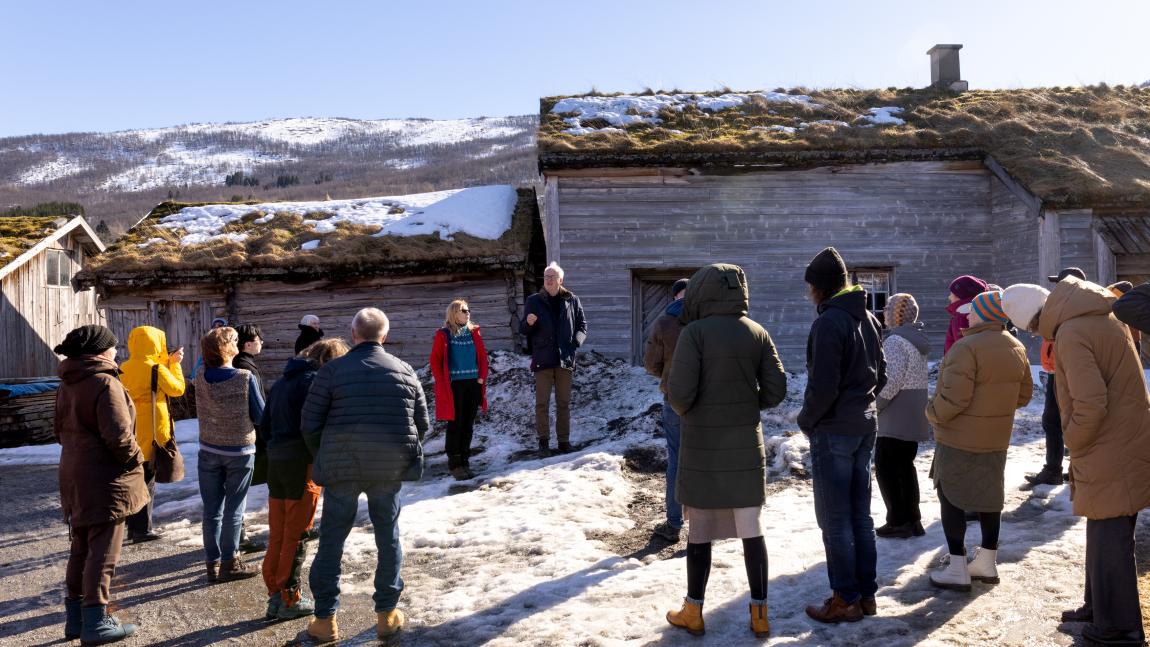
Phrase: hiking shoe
(835, 610)
(668, 532)
(869, 606)
(213, 570)
(249, 545)
(301, 609)
(1081, 614)
(564, 447)
(275, 600)
(1045, 477)
(900, 531)
(141, 538)
(235, 569)
(460, 473)
(544, 447)
(689, 617)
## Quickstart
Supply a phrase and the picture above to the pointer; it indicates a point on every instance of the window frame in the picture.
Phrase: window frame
(872, 295)
(62, 276)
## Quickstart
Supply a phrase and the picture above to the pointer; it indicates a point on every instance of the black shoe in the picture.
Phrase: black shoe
(142, 537)
(890, 531)
(564, 447)
(544, 448)
(311, 534)
(249, 545)
(1096, 636)
(1046, 476)
(1081, 614)
(918, 529)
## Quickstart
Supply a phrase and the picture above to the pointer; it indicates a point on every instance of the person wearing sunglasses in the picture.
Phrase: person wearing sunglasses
(459, 366)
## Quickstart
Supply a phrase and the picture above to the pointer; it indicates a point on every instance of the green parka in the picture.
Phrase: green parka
(724, 371)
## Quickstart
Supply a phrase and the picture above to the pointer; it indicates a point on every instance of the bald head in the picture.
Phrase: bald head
(370, 324)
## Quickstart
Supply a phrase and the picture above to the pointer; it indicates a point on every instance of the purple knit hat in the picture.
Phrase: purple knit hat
(967, 286)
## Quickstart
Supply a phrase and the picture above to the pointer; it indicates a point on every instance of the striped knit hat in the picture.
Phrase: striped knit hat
(901, 309)
(988, 307)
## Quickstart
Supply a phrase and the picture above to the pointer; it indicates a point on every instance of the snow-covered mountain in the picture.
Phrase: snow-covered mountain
(119, 174)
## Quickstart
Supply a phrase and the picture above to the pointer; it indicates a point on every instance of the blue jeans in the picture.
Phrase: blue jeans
(224, 482)
(340, 503)
(671, 426)
(841, 467)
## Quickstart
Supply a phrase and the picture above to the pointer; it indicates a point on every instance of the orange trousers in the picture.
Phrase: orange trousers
(289, 519)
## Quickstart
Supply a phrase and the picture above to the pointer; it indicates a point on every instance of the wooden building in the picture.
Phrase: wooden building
(40, 303)
(914, 187)
(267, 279)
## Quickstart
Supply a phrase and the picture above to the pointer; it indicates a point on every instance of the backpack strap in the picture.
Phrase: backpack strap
(155, 385)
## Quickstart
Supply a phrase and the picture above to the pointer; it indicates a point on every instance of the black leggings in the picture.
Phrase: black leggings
(954, 526)
(699, 568)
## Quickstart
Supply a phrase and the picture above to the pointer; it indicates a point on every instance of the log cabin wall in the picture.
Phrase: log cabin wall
(415, 306)
(924, 222)
(35, 316)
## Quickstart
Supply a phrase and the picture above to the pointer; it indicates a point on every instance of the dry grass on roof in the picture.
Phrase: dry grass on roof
(350, 249)
(18, 234)
(1070, 146)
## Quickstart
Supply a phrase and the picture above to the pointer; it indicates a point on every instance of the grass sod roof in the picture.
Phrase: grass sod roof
(18, 234)
(272, 249)
(1071, 147)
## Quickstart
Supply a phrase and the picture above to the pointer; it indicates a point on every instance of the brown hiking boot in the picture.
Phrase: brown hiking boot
(388, 623)
(689, 617)
(460, 473)
(869, 606)
(835, 610)
(235, 569)
(759, 623)
(323, 630)
(213, 571)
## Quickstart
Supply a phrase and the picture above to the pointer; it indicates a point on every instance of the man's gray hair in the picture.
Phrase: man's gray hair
(370, 324)
(558, 270)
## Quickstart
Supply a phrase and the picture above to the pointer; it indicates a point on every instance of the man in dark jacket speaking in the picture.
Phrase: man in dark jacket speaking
(363, 421)
(554, 326)
(845, 372)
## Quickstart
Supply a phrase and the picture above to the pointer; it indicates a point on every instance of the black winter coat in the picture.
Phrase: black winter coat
(307, 337)
(247, 361)
(553, 343)
(364, 419)
(279, 430)
(845, 368)
(1133, 308)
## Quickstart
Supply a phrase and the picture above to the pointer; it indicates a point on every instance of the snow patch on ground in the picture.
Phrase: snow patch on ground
(483, 212)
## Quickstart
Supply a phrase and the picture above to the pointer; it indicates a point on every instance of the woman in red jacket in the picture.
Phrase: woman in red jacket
(459, 366)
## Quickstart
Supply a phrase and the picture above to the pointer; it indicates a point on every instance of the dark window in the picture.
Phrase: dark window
(59, 268)
(879, 286)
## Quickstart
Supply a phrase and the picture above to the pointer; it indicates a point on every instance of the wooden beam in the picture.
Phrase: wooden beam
(1033, 204)
(550, 217)
(1107, 264)
(1049, 246)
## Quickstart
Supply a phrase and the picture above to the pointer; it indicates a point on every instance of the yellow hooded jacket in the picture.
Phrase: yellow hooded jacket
(147, 346)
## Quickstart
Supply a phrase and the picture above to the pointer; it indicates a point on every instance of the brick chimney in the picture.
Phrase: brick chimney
(944, 72)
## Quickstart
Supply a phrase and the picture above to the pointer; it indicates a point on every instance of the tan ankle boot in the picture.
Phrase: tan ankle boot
(759, 623)
(689, 617)
(323, 629)
(389, 622)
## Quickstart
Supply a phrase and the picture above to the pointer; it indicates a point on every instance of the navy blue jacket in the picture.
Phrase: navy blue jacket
(553, 343)
(280, 428)
(845, 369)
(364, 419)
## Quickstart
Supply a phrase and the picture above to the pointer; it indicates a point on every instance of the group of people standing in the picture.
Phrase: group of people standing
(867, 403)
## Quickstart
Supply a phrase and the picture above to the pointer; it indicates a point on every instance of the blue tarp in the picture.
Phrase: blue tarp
(31, 388)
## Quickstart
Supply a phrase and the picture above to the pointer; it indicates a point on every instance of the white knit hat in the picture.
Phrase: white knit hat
(1022, 301)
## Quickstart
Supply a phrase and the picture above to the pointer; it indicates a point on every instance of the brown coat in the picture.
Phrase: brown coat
(661, 348)
(1103, 400)
(982, 380)
(101, 466)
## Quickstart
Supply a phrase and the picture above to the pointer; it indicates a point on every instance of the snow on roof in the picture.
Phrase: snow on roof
(483, 212)
(626, 109)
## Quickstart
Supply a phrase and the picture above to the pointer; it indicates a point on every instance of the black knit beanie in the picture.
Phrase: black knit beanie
(827, 271)
(92, 339)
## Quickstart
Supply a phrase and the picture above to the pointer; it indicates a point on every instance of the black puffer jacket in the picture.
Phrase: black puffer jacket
(364, 419)
(279, 430)
(552, 342)
(845, 368)
(1133, 308)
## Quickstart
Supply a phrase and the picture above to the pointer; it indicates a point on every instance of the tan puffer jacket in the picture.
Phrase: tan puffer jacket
(1103, 400)
(982, 380)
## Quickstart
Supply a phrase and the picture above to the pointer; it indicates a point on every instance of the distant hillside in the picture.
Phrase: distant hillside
(118, 177)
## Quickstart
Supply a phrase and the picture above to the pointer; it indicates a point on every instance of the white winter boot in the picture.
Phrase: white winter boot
(982, 568)
(954, 577)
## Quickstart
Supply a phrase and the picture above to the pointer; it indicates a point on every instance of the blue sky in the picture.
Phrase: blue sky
(100, 66)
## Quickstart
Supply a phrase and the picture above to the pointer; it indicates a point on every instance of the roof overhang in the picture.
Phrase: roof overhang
(83, 233)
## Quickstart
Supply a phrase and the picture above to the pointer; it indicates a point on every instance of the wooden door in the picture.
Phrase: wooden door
(650, 296)
(183, 323)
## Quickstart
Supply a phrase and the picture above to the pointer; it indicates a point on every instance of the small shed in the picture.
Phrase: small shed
(914, 187)
(40, 303)
(271, 263)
